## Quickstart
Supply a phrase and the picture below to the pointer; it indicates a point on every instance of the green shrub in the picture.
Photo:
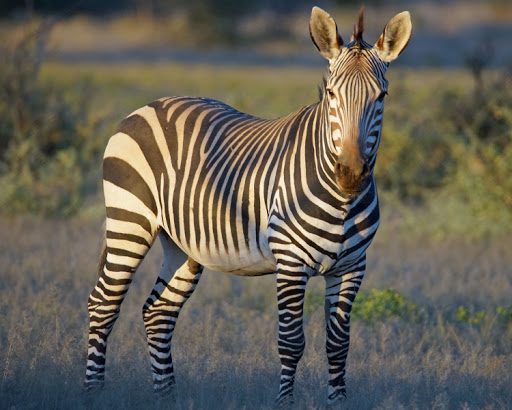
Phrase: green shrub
(502, 315)
(411, 164)
(448, 149)
(464, 315)
(371, 307)
(45, 135)
(378, 305)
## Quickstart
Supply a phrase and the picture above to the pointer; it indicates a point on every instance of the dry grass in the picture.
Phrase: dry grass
(225, 344)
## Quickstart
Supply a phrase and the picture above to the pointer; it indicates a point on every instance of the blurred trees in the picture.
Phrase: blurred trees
(215, 8)
(206, 21)
(447, 153)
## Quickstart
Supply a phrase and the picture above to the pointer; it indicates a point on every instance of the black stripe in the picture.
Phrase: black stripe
(127, 237)
(128, 216)
(123, 175)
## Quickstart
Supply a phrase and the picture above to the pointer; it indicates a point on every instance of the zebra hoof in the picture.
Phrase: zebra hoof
(166, 392)
(91, 392)
(335, 398)
(166, 399)
(285, 402)
(93, 386)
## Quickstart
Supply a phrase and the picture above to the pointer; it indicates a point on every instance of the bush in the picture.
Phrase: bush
(378, 305)
(412, 164)
(502, 315)
(45, 136)
(484, 122)
(448, 148)
(371, 307)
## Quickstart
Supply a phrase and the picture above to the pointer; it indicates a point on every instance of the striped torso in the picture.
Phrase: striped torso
(237, 193)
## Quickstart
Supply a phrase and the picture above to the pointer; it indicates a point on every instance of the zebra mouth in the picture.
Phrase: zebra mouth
(350, 184)
(351, 192)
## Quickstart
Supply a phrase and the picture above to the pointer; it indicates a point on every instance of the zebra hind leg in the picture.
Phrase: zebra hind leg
(341, 291)
(160, 313)
(128, 238)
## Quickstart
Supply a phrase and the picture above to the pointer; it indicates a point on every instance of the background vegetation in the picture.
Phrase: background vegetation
(432, 324)
(447, 150)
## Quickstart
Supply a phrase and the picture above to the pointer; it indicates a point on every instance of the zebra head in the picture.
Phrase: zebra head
(354, 92)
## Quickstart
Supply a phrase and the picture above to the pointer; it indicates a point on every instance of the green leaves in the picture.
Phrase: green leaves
(501, 315)
(378, 305)
(374, 306)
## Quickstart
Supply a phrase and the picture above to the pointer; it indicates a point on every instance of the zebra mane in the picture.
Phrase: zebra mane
(357, 34)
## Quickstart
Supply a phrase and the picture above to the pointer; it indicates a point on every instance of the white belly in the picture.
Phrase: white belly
(261, 267)
(247, 261)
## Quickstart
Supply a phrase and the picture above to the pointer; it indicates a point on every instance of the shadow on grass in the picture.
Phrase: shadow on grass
(236, 387)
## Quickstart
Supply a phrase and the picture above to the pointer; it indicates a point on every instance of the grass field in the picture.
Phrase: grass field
(446, 254)
(225, 343)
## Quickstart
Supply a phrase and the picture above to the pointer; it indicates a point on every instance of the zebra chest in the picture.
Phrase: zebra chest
(328, 257)
(346, 258)
(323, 247)
(353, 245)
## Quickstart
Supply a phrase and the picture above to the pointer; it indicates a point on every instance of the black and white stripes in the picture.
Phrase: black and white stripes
(294, 196)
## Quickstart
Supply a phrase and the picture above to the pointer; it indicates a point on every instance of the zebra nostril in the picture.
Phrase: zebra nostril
(361, 170)
(366, 170)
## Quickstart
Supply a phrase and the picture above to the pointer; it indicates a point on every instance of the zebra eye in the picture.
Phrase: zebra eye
(382, 95)
(330, 92)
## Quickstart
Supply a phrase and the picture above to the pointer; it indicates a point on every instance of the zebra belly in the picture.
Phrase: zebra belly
(241, 264)
(246, 261)
(262, 267)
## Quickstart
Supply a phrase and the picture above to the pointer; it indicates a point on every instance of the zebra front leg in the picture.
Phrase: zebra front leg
(160, 313)
(126, 245)
(340, 292)
(291, 287)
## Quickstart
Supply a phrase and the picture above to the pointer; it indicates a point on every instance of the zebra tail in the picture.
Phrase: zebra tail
(103, 257)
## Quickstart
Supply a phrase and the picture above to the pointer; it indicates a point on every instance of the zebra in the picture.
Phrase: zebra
(293, 196)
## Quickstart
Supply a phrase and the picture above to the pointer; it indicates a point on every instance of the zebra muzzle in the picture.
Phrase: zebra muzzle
(351, 179)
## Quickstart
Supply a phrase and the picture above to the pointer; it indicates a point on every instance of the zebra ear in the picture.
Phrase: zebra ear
(395, 37)
(324, 33)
